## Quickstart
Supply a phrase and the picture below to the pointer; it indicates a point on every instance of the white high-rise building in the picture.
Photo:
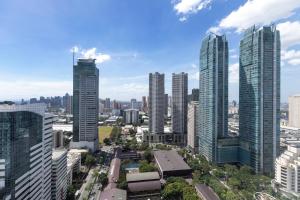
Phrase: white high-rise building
(193, 113)
(131, 116)
(59, 174)
(26, 150)
(179, 107)
(156, 103)
(294, 111)
(287, 171)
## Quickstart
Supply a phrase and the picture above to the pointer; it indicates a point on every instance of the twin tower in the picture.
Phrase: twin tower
(259, 100)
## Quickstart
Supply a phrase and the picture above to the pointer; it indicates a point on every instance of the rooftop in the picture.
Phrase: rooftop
(147, 176)
(170, 161)
(58, 153)
(206, 192)
(113, 194)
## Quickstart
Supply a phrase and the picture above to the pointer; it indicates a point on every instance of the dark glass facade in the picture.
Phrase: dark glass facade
(19, 131)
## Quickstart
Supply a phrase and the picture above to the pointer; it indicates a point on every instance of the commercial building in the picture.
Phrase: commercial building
(142, 182)
(25, 152)
(193, 138)
(170, 163)
(59, 179)
(294, 111)
(179, 107)
(134, 104)
(67, 103)
(131, 116)
(58, 138)
(144, 104)
(85, 104)
(194, 96)
(259, 99)
(213, 94)
(166, 106)
(156, 103)
(73, 165)
(287, 171)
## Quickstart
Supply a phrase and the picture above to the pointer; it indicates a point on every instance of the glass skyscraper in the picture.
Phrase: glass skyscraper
(85, 104)
(213, 95)
(25, 152)
(259, 100)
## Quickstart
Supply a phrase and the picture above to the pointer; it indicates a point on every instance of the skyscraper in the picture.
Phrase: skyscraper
(144, 104)
(294, 111)
(195, 94)
(166, 107)
(67, 103)
(156, 103)
(179, 106)
(85, 104)
(259, 101)
(213, 94)
(193, 138)
(25, 152)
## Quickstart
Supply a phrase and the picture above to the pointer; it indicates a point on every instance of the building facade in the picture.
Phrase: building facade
(156, 103)
(259, 100)
(287, 171)
(59, 179)
(179, 107)
(25, 152)
(213, 95)
(192, 130)
(294, 111)
(67, 103)
(85, 104)
(131, 116)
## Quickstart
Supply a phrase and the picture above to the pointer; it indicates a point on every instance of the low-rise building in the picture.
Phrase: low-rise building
(142, 182)
(170, 163)
(287, 171)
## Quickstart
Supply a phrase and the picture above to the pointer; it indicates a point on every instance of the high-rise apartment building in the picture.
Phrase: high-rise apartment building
(192, 130)
(107, 103)
(25, 152)
(166, 107)
(131, 116)
(59, 179)
(134, 104)
(85, 104)
(156, 103)
(213, 94)
(259, 100)
(144, 104)
(294, 111)
(179, 106)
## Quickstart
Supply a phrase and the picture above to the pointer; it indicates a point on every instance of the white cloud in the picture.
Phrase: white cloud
(194, 66)
(92, 53)
(234, 73)
(292, 57)
(74, 49)
(194, 76)
(215, 30)
(259, 12)
(289, 33)
(185, 7)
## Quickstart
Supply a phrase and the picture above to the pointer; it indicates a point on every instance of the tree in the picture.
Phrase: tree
(106, 141)
(90, 161)
(148, 155)
(173, 191)
(71, 192)
(103, 179)
(146, 167)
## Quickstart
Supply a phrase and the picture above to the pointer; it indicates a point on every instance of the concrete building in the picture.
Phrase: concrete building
(134, 104)
(144, 104)
(287, 171)
(294, 111)
(143, 182)
(156, 103)
(59, 174)
(213, 95)
(179, 107)
(73, 165)
(259, 99)
(170, 163)
(67, 103)
(166, 108)
(58, 138)
(193, 138)
(194, 96)
(85, 104)
(107, 103)
(26, 148)
(131, 116)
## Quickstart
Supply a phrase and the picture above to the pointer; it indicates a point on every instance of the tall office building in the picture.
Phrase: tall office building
(179, 107)
(195, 95)
(67, 103)
(107, 103)
(166, 107)
(134, 104)
(156, 103)
(213, 94)
(259, 100)
(193, 138)
(85, 104)
(294, 111)
(59, 174)
(25, 152)
(144, 104)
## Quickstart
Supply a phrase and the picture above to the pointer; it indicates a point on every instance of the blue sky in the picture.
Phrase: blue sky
(130, 39)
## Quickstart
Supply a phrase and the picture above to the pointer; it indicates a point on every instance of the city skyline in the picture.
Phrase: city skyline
(131, 44)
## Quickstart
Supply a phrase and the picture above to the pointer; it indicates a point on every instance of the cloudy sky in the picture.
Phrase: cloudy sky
(130, 39)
